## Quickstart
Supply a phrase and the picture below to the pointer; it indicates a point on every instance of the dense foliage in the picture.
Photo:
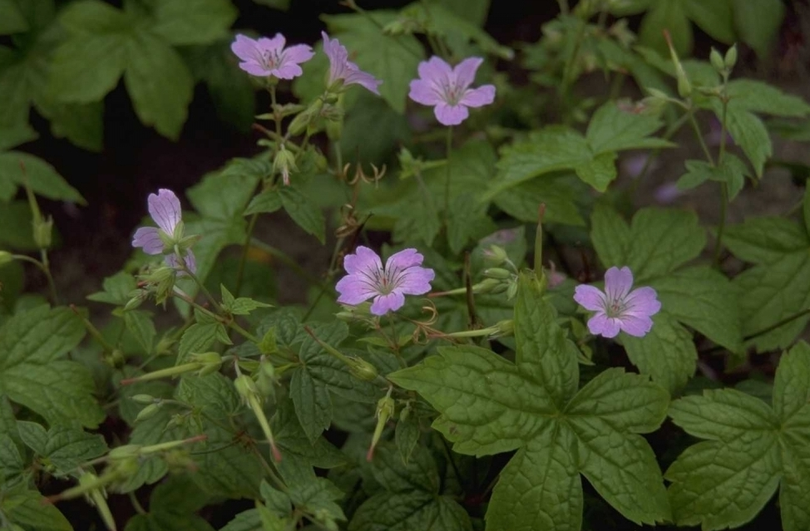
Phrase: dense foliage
(444, 373)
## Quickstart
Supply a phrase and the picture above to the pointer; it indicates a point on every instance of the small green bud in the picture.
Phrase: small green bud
(717, 61)
(362, 369)
(267, 368)
(143, 399)
(386, 408)
(246, 387)
(115, 359)
(488, 285)
(265, 385)
(136, 300)
(211, 361)
(684, 87)
(511, 291)
(303, 119)
(731, 58)
(495, 255)
(125, 452)
(5, 258)
(43, 229)
(505, 327)
(149, 411)
(497, 273)
(284, 163)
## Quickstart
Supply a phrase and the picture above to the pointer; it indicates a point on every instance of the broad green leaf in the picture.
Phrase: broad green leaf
(11, 461)
(420, 473)
(540, 488)
(68, 448)
(140, 324)
(759, 97)
(12, 18)
(171, 508)
(662, 240)
(467, 220)
(487, 406)
(296, 447)
(306, 214)
(184, 22)
(749, 133)
(33, 435)
(159, 83)
(214, 394)
(475, 12)
(275, 500)
(312, 403)
(758, 23)
(762, 240)
(667, 352)
(29, 510)
(410, 510)
(599, 171)
(544, 351)
(611, 129)
(265, 203)
(715, 18)
(233, 471)
(17, 167)
(12, 216)
(393, 59)
(372, 130)
(32, 373)
(116, 289)
(792, 385)
(610, 235)
(722, 415)
(82, 124)
(732, 171)
(406, 435)
(197, 339)
(724, 484)
(245, 521)
(557, 192)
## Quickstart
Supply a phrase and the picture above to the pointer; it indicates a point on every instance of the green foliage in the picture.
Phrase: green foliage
(489, 405)
(750, 449)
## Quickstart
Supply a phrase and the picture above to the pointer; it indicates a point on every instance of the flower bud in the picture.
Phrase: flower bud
(497, 273)
(489, 285)
(211, 361)
(684, 87)
(115, 359)
(362, 369)
(246, 387)
(303, 119)
(504, 328)
(149, 411)
(495, 255)
(717, 61)
(43, 229)
(284, 163)
(5, 258)
(731, 58)
(385, 410)
(137, 299)
(143, 399)
(511, 291)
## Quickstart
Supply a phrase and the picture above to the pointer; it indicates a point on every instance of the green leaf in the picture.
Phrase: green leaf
(116, 289)
(410, 510)
(17, 167)
(763, 240)
(758, 23)
(183, 22)
(140, 324)
(667, 353)
(199, 338)
(304, 212)
(732, 171)
(749, 133)
(13, 215)
(759, 97)
(12, 19)
(159, 83)
(312, 403)
(792, 385)
(29, 510)
(266, 202)
(171, 508)
(296, 447)
(32, 373)
(540, 488)
(406, 435)
(558, 192)
(213, 393)
(488, 405)
(599, 171)
(245, 521)
(393, 59)
(11, 462)
(467, 220)
(612, 129)
(722, 415)
(714, 18)
(82, 124)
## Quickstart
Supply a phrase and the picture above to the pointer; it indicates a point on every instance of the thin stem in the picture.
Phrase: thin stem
(569, 65)
(240, 272)
(691, 115)
(718, 246)
(203, 289)
(136, 504)
(42, 267)
(447, 173)
(276, 117)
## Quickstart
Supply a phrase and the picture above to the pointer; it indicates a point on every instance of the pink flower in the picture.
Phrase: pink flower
(618, 308)
(341, 69)
(268, 57)
(447, 89)
(166, 212)
(388, 286)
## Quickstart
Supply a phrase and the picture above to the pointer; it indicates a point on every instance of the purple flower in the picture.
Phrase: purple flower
(268, 57)
(618, 308)
(447, 89)
(388, 286)
(166, 212)
(340, 68)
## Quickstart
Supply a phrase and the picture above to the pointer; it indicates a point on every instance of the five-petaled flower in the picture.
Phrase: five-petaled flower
(618, 308)
(447, 89)
(388, 286)
(341, 69)
(268, 57)
(166, 212)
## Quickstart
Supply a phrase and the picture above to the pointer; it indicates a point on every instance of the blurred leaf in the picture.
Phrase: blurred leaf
(758, 23)
(29, 509)
(305, 214)
(12, 19)
(184, 22)
(17, 167)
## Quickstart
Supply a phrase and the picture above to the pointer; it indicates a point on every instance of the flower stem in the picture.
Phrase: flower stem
(691, 115)
(43, 266)
(240, 272)
(718, 246)
(447, 174)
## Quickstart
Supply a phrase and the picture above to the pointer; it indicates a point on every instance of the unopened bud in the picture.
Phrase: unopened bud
(505, 327)
(684, 87)
(211, 361)
(717, 61)
(43, 229)
(488, 285)
(143, 399)
(303, 119)
(246, 387)
(495, 255)
(497, 273)
(138, 296)
(362, 369)
(5, 258)
(511, 291)
(385, 410)
(731, 57)
(149, 411)
(115, 359)
(284, 164)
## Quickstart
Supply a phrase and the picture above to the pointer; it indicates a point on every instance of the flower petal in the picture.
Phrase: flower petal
(618, 283)
(415, 280)
(288, 71)
(274, 45)
(425, 93)
(191, 262)
(464, 72)
(602, 325)
(450, 114)
(245, 48)
(435, 71)
(165, 210)
(354, 289)
(590, 298)
(148, 239)
(478, 97)
(363, 261)
(642, 302)
(403, 259)
(637, 326)
(254, 69)
(354, 76)
(300, 53)
(385, 303)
